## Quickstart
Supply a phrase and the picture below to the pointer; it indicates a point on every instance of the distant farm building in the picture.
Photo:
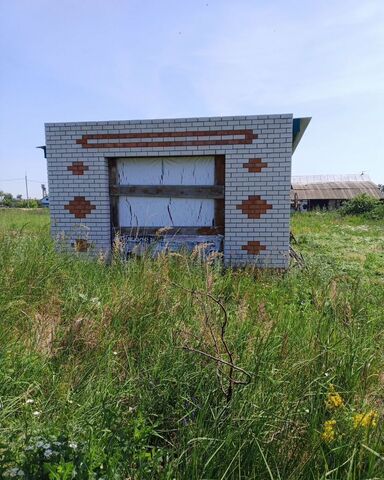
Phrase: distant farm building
(330, 191)
(44, 202)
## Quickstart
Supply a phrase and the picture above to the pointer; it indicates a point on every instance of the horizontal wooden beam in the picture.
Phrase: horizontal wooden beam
(161, 231)
(183, 191)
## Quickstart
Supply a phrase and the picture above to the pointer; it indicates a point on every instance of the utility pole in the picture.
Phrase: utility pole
(26, 186)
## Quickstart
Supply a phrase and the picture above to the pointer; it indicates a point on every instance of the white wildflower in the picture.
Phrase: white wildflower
(29, 401)
(36, 413)
(14, 472)
(95, 301)
(72, 445)
(48, 453)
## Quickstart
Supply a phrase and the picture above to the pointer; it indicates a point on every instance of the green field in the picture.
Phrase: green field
(122, 370)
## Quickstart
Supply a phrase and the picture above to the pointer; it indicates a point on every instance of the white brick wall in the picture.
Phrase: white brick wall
(273, 146)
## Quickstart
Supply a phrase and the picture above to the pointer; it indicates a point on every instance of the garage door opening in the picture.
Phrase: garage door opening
(168, 202)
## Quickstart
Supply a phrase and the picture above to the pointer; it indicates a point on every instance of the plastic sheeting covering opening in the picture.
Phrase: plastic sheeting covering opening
(152, 212)
(157, 211)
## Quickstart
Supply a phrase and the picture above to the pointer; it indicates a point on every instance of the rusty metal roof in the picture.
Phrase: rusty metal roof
(341, 190)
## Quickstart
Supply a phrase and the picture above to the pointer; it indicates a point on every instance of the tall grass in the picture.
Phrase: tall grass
(93, 358)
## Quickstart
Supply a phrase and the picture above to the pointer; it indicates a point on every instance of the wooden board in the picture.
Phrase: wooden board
(186, 191)
(220, 181)
(160, 231)
(114, 205)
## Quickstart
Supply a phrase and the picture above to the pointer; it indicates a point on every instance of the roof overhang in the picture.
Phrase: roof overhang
(298, 128)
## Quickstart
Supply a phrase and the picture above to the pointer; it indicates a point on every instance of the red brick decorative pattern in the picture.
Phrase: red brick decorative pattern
(253, 247)
(79, 207)
(77, 168)
(255, 165)
(81, 245)
(189, 138)
(254, 206)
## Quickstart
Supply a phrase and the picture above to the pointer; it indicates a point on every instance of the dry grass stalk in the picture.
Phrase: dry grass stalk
(118, 247)
(45, 328)
(223, 357)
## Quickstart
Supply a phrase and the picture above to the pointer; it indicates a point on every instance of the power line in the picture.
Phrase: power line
(20, 180)
(12, 180)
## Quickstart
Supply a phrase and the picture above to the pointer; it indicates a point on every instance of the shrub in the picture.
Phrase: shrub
(360, 204)
(377, 213)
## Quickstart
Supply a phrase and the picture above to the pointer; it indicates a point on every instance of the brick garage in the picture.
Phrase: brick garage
(242, 190)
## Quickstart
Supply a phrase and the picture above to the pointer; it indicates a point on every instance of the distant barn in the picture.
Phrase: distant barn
(330, 191)
(44, 202)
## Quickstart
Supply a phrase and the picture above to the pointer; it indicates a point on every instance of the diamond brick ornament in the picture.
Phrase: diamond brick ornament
(253, 247)
(254, 206)
(255, 165)
(77, 168)
(80, 207)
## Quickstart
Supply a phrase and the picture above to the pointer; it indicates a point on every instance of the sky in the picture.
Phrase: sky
(79, 60)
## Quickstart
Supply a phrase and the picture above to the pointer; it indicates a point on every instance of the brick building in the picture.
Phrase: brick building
(223, 181)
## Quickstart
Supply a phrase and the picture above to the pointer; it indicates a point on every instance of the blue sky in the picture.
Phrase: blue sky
(66, 60)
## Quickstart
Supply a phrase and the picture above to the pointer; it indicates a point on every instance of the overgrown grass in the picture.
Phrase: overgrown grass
(92, 358)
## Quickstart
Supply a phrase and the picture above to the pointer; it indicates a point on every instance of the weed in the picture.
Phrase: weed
(93, 386)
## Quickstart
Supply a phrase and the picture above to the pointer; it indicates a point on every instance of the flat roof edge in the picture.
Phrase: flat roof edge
(173, 119)
(299, 127)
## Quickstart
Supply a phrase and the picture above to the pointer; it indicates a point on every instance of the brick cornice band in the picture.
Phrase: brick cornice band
(255, 165)
(253, 247)
(80, 207)
(254, 206)
(195, 138)
(77, 168)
